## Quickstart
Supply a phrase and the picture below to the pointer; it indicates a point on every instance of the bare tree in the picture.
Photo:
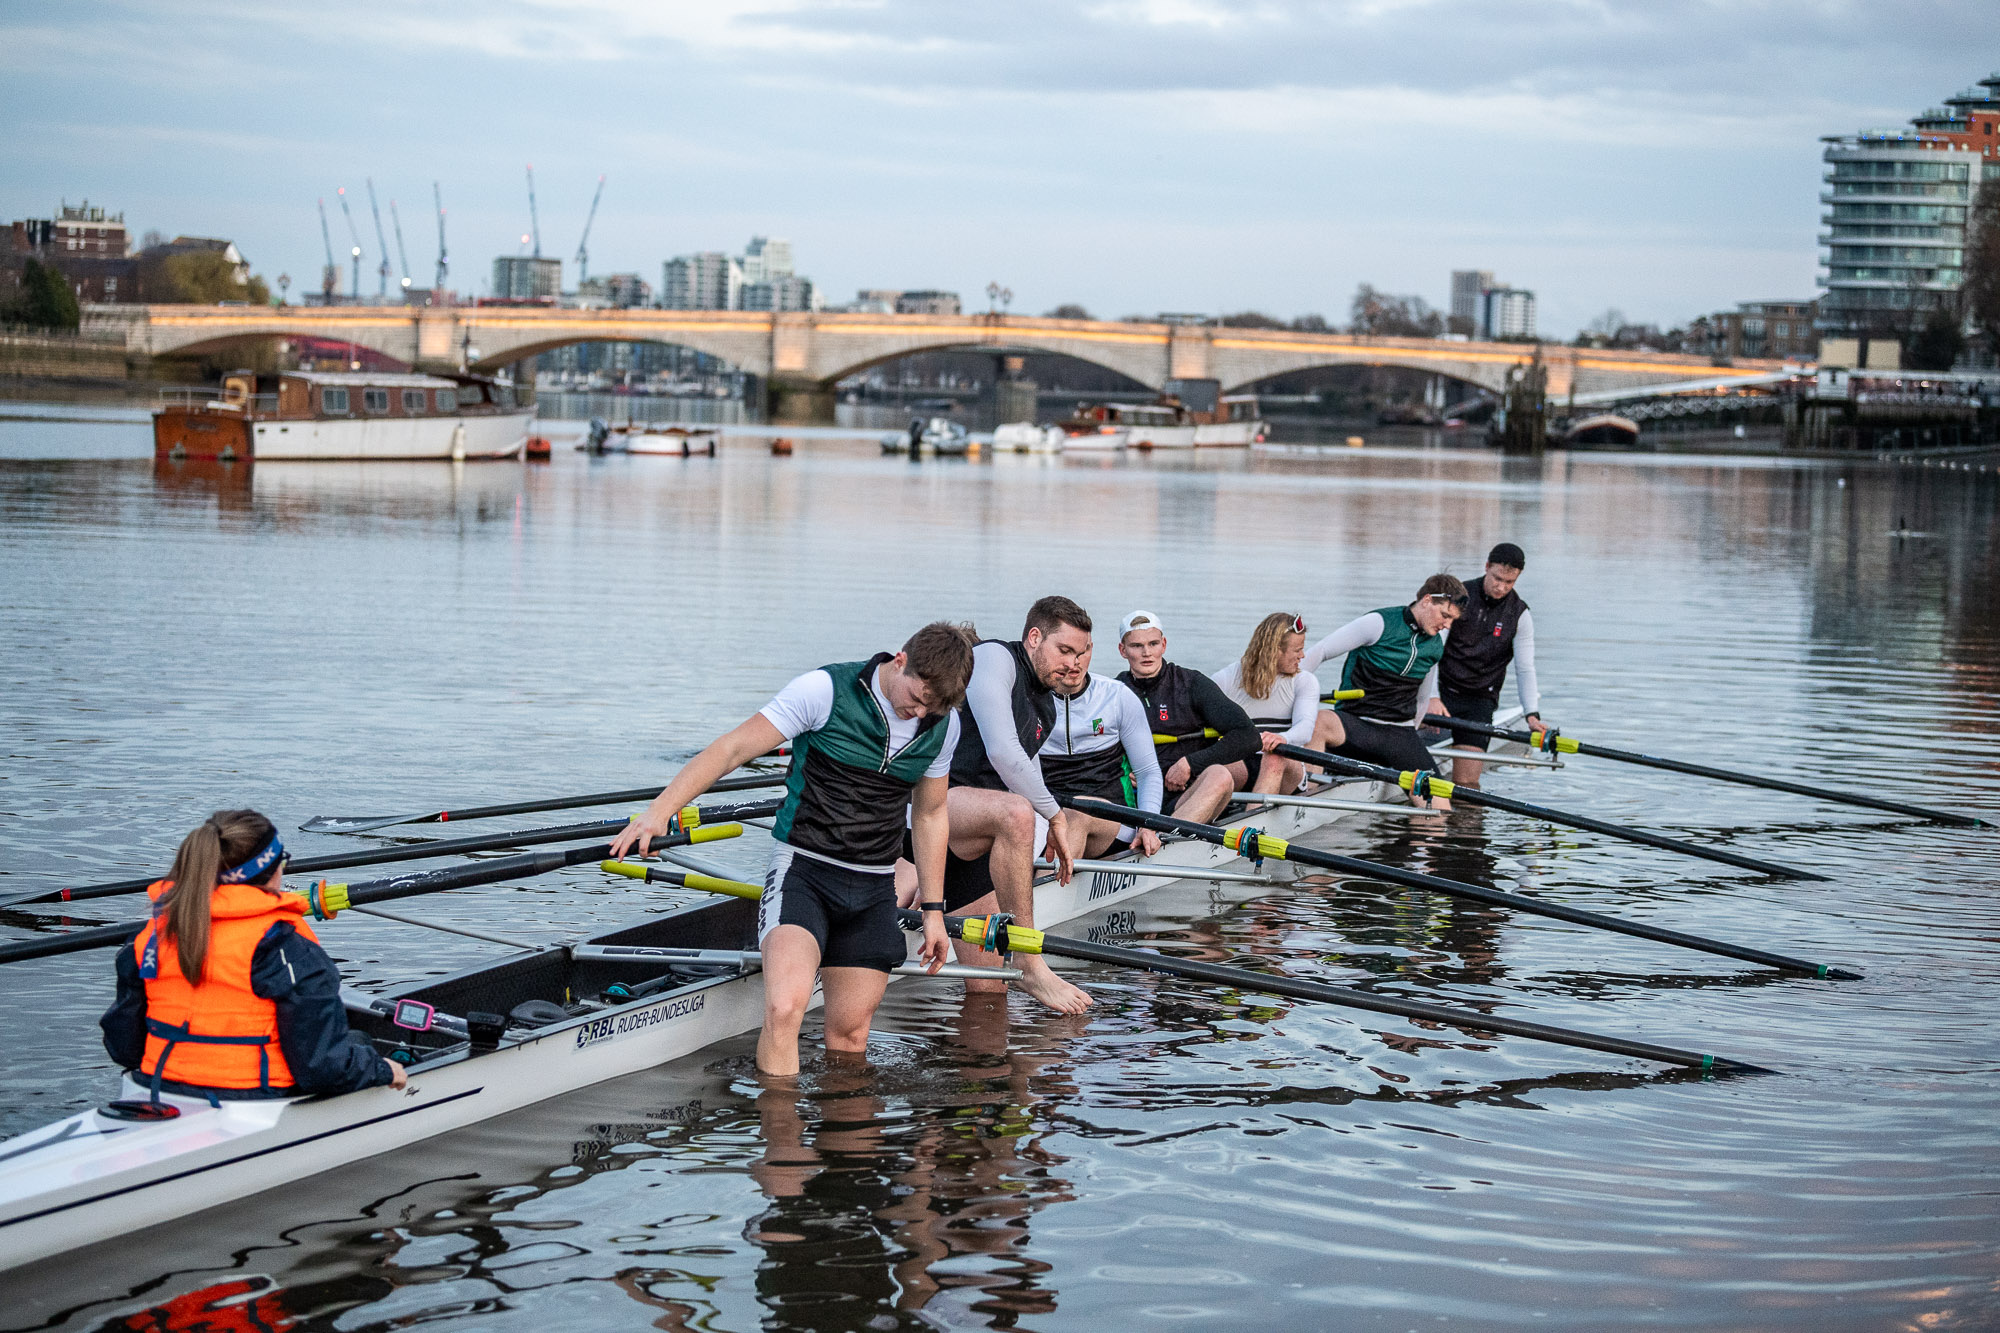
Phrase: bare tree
(1981, 292)
(1250, 319)
(1311, 324)
(1068, 310)
(1383, 315)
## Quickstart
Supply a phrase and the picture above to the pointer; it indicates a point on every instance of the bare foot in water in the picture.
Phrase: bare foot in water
(1040, 981)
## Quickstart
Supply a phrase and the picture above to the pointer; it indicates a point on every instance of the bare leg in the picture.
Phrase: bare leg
(1465, 772)
(1005, 824)
(852, 995)
(1279, 775)
(1327, 731)
(1207, 794)
(791, 960)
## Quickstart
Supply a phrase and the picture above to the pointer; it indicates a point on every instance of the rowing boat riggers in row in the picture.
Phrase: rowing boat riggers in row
(840, 826)
(265, 1021)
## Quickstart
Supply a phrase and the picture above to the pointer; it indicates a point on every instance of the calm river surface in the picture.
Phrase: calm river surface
(340, 638)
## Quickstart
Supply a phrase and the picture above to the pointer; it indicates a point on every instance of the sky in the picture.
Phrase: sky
(1133, 156)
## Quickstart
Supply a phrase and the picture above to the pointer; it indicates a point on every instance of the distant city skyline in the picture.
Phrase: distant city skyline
(1132, 157)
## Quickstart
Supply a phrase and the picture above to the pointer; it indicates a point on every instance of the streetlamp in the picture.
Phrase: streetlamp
(996, 295)
(284, 285)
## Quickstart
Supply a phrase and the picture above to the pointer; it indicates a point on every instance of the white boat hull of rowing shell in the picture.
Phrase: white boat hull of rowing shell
(377, 438)
(88, 1178)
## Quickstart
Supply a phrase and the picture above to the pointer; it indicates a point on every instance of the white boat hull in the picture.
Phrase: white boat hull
(89, 1179)
(1229, 434)
(1161, 437)
(1095, 441)
(1025, 437)
(377, 438)
(675, 446)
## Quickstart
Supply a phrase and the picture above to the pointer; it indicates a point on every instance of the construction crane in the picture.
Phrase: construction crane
(583, 246)
(444, 264)
(329, 277)
(534, 221)
(381, 244)
(402, 256)
(353, 232)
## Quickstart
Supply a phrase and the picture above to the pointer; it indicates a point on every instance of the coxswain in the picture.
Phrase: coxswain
(1495, 629)
(1002, 812)
(1392, 655)
(1281, 695)
(1102, 746)
(225, 993)
(872, 745)
(1183, 707)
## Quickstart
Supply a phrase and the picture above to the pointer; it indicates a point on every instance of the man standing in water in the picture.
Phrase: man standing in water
(870, 741)
(1495, 629)
(1001, 810)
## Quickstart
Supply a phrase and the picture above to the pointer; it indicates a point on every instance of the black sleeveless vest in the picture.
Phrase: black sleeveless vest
(1481, 644)
(1034, 706)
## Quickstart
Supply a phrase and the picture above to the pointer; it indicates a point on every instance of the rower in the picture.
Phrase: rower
(1001, 809)
(1496, 629)
(1271, 683)
(1102, 746)
(225, 993)
(1392, 655)
(1183, 706)
(870, 740)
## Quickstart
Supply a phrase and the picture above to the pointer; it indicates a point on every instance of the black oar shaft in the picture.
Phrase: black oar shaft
(1478, 796)
(367, 823)
(1312, 856)
(1570, 745)
(484, 842)
(1240, 978)
(373, 891)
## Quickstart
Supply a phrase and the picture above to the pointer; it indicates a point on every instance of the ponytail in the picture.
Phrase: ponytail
(227, 837)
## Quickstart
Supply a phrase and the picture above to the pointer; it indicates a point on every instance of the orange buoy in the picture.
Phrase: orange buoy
(781, 447)
(538, 447)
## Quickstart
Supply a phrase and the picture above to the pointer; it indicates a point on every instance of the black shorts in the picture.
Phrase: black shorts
(851, 913)
(1473, 708)
(1400, 748)
(966, 881)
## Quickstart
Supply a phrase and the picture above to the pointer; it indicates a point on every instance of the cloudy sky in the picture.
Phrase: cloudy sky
(1659, 156)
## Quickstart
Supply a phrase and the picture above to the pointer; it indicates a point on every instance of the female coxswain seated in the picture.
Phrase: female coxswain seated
(226, 993)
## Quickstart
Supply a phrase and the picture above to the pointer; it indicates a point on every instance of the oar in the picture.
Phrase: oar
(1256, 846)
(1553, 741)
(1210, 733)
(421, 852)
(326, 899)
(998, 934)
(1424, 784)
(363, 823)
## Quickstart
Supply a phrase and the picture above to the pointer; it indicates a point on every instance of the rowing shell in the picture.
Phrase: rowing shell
(91, 1178)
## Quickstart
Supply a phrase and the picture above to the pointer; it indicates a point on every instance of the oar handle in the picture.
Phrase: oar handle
(683, 879)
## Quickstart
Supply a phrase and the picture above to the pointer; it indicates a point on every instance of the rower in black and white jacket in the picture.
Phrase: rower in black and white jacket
(1102, 746)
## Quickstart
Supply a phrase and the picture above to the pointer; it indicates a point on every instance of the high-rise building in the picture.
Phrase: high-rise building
(710, 280)
(1506, 312)
(785, 292)
(527, 278)
(1468, 287)
(620, 291)
(1896, 211)
(766, 258)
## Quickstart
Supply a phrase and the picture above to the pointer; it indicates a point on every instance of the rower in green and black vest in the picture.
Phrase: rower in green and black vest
(1392, 655)
(872, 747)
(1495, 630)
(1200, 731)
(1001, 809)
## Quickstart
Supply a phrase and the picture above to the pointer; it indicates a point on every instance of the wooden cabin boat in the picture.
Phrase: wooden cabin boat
(365, 415)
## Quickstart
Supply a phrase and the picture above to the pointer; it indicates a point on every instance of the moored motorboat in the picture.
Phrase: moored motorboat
(1604, 430)
(1025, 437)
(484, 1042)
(679, 441)
(361, 415)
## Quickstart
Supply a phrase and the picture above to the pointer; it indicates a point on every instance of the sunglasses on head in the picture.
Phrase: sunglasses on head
(1298, 624)
(1446, 599)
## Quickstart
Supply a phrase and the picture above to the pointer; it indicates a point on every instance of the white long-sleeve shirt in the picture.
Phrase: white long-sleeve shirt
(989, 697)
(1292, 697)
(1104, 714)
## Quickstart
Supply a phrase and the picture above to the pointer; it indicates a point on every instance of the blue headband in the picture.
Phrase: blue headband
(256, 867)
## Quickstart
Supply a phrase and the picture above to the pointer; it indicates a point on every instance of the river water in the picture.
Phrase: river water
(339, 639)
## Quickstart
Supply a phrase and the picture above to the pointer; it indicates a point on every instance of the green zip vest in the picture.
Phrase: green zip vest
(1391, 669)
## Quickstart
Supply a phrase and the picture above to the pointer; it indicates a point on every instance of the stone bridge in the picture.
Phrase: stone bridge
(802, 355)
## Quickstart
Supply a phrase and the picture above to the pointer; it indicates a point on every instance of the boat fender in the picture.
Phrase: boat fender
(536, 1014)
(485, 1029)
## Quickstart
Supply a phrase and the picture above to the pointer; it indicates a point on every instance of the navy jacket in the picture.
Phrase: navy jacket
(294, 973)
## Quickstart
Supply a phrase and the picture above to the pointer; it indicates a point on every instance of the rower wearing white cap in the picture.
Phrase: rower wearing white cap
(1199, 730)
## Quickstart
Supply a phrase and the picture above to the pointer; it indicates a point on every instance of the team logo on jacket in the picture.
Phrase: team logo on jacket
(1496, 631)
(1163, 714)
(1097, 726)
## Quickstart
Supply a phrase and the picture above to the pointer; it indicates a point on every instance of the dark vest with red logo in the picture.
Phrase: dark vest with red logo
(1481, 644)
(1034, 718)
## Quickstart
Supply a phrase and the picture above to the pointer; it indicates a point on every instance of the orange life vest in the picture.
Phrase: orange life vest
(221, 1033)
